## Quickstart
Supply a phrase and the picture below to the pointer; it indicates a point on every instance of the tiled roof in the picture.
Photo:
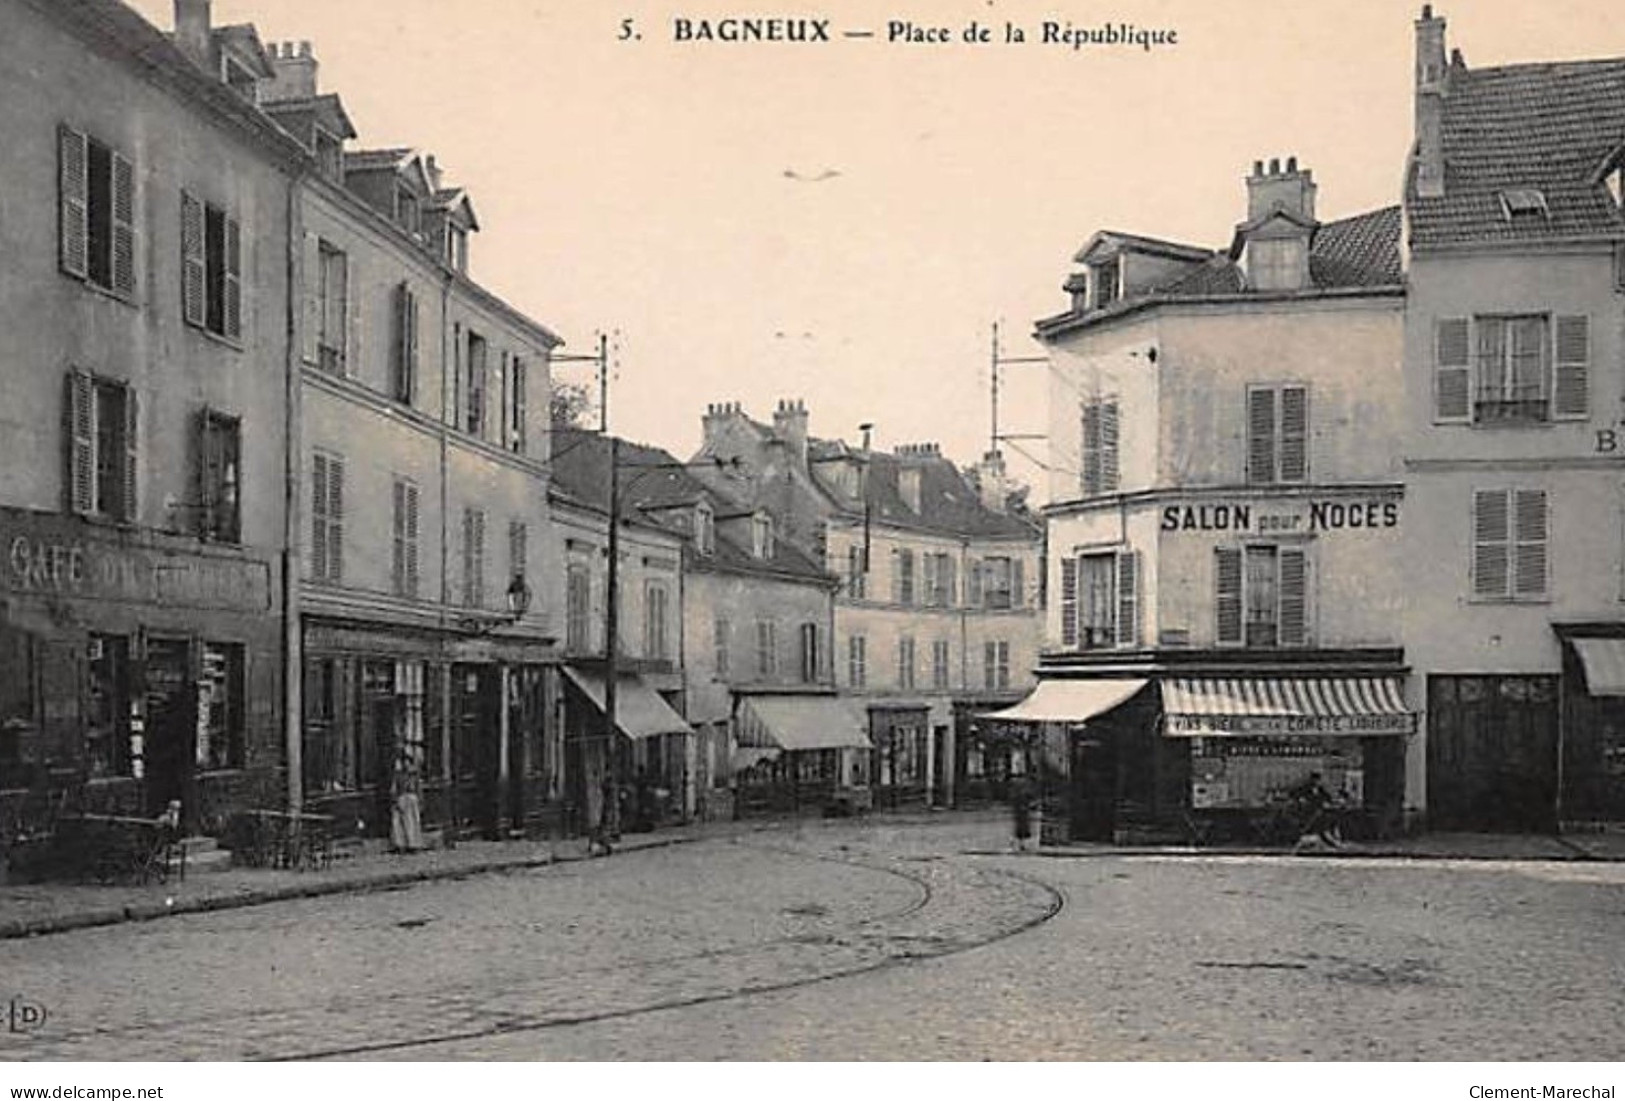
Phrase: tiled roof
(948, 503)
(1112, 239)
(1362, 251)
(1542, 126)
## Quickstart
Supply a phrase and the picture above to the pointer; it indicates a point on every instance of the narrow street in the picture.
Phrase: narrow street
(868, 941)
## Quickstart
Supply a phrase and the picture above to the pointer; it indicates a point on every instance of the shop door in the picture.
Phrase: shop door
(377, 721)
(170, 752)
(478, 701)
(1093, 770)
(1492, 753)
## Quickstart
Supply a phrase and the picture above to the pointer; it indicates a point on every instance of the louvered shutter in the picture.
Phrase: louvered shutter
(398, 538)
(1128, 598)
(1109, 467)
(973, 584)
(232, 286)
(312, 264)
(209, 461)
(411, 540)
(194, 268)
(479, 557)
(1227, 594)
(518, 548)
(1491, 552)
(410, 396)
(335, 519)
(1091, 448)
(73, 205)
(1452, 372)
(318, 517)
(1261, 435)
(1529, 533)
(80, 410)
(123, 258)
(1018, 583)
(1293, 563)
(129, 502)
(1294, 433)
(458, 370)
(950, 592)
(349, 319)
(520, 406)
(1571, 372)
(1069, 602)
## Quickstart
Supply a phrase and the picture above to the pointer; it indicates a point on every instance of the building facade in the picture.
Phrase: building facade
(1514, 626)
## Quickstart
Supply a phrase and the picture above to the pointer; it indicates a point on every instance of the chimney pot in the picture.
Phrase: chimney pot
(1427, 11)
(304, 48)
(1258, 168)
(1275, 166)
(193, 30)
(1292, 164)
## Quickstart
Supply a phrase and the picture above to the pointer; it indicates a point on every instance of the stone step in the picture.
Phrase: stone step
(203, 855)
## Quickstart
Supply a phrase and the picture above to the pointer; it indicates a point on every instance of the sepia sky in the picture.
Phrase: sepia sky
(641, 186)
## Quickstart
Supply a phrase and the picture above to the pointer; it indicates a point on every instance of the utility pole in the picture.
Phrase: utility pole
(996, 361)
(609, 815)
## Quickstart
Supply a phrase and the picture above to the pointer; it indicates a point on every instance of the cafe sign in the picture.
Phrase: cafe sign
(1307, 517)
(1278, 725)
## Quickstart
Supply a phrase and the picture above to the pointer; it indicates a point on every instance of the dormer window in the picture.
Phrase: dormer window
(761, 536)
(1522, 203)
(1105, 279)
(408, 212)
(457, 248)
(1277, 264)
(239, 79)
(705, 532)
(908, 487)
(329, 156)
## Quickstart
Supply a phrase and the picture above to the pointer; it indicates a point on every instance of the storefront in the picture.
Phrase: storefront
(900, 766)
(801, 752)
(1593, 728)
(136, 669)
(648, 761)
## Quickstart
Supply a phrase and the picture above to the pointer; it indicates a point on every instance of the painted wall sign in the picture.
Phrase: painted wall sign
(1244, 725)
(1307, 517)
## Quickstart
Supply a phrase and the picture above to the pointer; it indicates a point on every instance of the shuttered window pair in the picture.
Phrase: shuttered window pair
(1261, 597)
(103, 422)
(96, 213)
(940, 673)
(1099, 467)
(404, 559)
(211, 268)
(474, 558)
(1277, 434)
(1511, 532)
(902, 578)
(327, 518)
(1511, 370)
(999, 582)
(996, 665)
(1100, 600)
(857, 661)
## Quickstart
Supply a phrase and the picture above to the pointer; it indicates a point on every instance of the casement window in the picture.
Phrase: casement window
(404, 557)
(905, 662)
(1002, 582)
(408, 211)
(1277, 434)
(857, 572)
(996, 665)
(211, 268)
(705, 530)
(1106, 281)
(457, 248)
(1511, 533)
(902, 577)
(807, 639)
(327, 518)
(219, 477)
(474, 380)
(767, 648)
(940, 672)
(1100, 605)
(761, 536)
(473, 557)
(103, 419)
(656, 641)
(403, 373)
(721, 641)
(1099, 471)
(1511, 370)
(939, 580)
(517, 382)
(578, 608)
(95, 213)
(220, 701)
(1262, 595)
(857, 661)
(333, 294)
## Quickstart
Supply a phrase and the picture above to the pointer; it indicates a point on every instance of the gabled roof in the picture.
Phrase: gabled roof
(1541, 126)
(1109, 242)
(245, 37)
(949, 505)
(449, 198)
(328, 108)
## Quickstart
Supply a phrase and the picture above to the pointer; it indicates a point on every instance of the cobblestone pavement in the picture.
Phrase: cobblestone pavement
(372, 973)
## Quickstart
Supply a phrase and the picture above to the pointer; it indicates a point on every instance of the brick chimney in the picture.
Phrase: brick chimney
(790, 426)
(193, 32)
(719, 416)
(993, 482)
(1277, 187)
(295, 78)
(1432, 85)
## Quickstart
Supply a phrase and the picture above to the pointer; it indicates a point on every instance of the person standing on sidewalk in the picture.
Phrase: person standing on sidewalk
(1021, 813)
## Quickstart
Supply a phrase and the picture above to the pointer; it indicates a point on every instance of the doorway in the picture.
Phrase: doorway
(1492, 753)
(170, 751)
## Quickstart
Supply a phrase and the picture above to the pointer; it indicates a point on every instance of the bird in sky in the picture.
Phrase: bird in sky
(826, 174)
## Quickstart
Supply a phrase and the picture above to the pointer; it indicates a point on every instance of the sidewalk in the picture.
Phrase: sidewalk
(1434, 846)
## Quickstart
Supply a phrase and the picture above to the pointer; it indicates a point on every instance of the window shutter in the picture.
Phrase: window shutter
(1109, 472)
(351, 322)
(950, 582)
(410, 394)
(81, 434)
(1069, 602)
(73, 190)
(312, 264)
(1452, 372)
(896, 576)
(129, 503)
(1018, 583)
(1128, 598)
(411, 540)
(518, 538)
(1570, 382)
(973, 584)
(1294, 618)
(1091, 448)
(232, 283)
(318, 517)
(1261, 435)
(1491, 553)
(1227, 594)
(398, 542)
(208, 464)
(401, 351)
(123, 226)
(194, 271)
(335, 518)
(520, 416)
(1294, 433)
(479, 557)
(458, 369)
(1529, 532)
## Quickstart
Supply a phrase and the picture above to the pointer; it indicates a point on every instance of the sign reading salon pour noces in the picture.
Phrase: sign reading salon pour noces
(1301, 517)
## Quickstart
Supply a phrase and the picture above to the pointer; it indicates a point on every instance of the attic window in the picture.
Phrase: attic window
(329, 156)
(239, 79)
(1104, 277)
(407, 211)
(704, 530)
(761, 536)
(1524, 202)
(908, 486)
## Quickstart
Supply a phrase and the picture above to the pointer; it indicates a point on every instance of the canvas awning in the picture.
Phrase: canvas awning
(1604, 662)
(1203, 707)
(749, 756)
(803, 722)
(639, 710)
(1068, 701)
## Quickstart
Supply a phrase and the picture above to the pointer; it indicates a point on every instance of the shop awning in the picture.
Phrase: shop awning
(749, 756)
(1249, 707)
(639, 710)
(1604, 661)
(1068, 701)
(803, 722)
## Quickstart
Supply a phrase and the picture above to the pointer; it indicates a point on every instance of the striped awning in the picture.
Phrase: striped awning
(639, 710)
(1068, 701)
(1205, 707)
(1604, 661)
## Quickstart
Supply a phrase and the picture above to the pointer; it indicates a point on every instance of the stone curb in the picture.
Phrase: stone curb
(1576, 853)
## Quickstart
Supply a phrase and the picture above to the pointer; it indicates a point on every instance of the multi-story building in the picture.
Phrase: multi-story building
(938, 613)
(146, 297)
(1513, 617)
(427, 655)
(1225, 517)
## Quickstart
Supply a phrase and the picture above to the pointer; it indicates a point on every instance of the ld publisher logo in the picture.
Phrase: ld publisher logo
(23, 1015)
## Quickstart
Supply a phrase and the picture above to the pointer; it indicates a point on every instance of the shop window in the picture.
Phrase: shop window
(329, 765)
(220, 707)
(96, 213)
(211, 268)
(107, 707)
